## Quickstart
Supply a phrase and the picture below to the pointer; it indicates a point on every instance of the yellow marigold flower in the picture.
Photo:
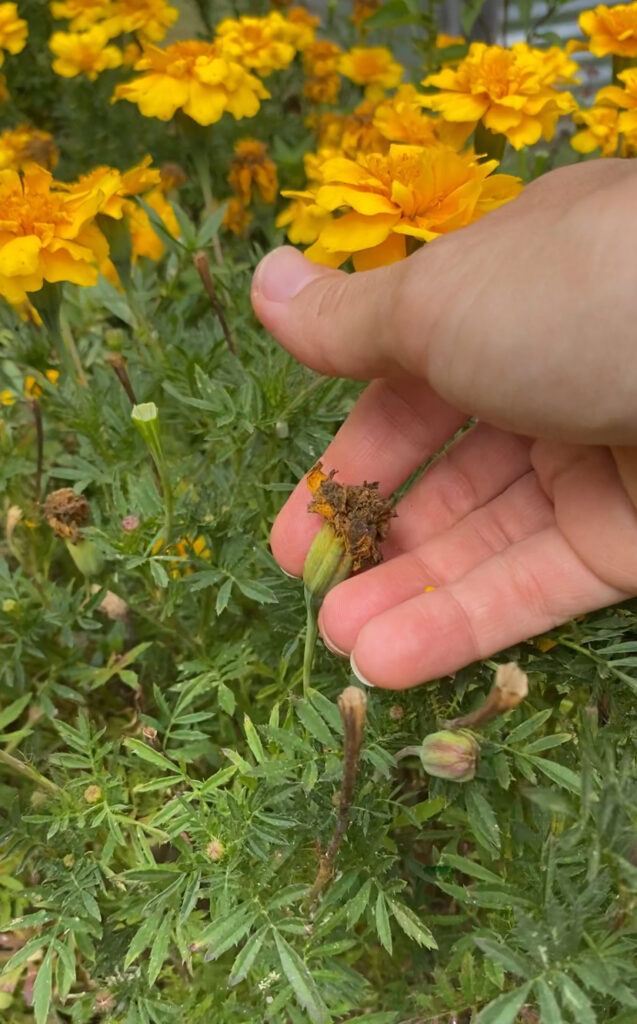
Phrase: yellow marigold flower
(184, 548)
(81, 14)
(113, 187)
(411, 191)
(131, 54)
(7, 397)
(401, 119)
(303, 218)
(624, 98)
(144, 238)
(83, 53)
(31, 387)
(299, 28)
(23, 145)
(363, 9)
(194, 77)
(251, 168)
(510, 90)
(148, 18)
(601, 131)
(320, 63)
(256, 43)
(373, 67)
(359, 132)
(13, 30)
(45, 235)
(236, 218)
(611, 29)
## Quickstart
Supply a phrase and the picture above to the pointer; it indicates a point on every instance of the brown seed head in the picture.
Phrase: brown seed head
(66, 512)
(357, 513)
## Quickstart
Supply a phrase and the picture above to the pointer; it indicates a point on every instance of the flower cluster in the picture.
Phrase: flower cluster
(52, 231)
(611, 124)
(512, 92)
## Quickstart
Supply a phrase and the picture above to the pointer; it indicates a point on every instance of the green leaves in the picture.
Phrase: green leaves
(505, 1008)
(302, 982)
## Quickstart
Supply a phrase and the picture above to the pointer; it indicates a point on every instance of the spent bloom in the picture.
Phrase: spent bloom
(512, 91)
(373, 67)
(83, 53)
(611, 29)
(259, 44)
(195, 77)
(321, 66)
(13, 30)
(251, 168)
(236, 218)
(23, 145)
(46, 234)
(410, 191)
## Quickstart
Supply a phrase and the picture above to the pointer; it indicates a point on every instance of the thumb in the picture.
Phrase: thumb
(346, 325)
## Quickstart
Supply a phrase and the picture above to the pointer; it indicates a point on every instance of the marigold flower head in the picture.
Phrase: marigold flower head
(192, 76)
(149, 19)
(300, 28)
(415, 191)
(144, 238)
(401, 119)
(373, 67)
(236, 218)
(83, 53)
(259, 44)
(321, 66)
(23, 145)
(81, 14)
(359, 132)
(611, 124)
(251, 168)
(13, 30)
(45, 234)
(510, 90)
(623, 97)
(601, 131)
(113, 187)
(611, 29)
(303, 218)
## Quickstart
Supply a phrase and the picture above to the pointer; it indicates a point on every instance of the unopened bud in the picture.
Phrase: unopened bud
(396, 712)
(450, 755)
(9, 606)
(92, 794)
(130, 523)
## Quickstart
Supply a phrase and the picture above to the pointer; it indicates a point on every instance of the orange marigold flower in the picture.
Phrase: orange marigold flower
(236, 218)
(300, 28)
(23, 145)
(510, 90)
(320, 62)
(611, 29)
(13, 30)
(195, 77)
(46, 234)
(410, 191)
(81, 14)
(373, 67)
(251, 168)
(150, 19)
(83, 53)
(259, 44)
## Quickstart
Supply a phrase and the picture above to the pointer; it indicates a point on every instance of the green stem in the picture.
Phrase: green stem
(167, 495)
(71, 348)
(24, 769)
(311, 636)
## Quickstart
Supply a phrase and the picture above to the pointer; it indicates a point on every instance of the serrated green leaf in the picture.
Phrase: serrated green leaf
(482, 820)
(558, 773)
(575, 1000)
(383, 926)
(550, 1012)
(42, 989)
(211, 225)
(254, 740)
(302, 982)
(512, 961)
(355, 907)
(469, 867)
(143, 937)
(228, 930)
(257, 591)
(246, 958)
(412, 925)
(529, 726)
(223, 596)
(13, 711)
(159, 949)
(153, 757)
(556, 739)
(313, 722)
(505, 1008)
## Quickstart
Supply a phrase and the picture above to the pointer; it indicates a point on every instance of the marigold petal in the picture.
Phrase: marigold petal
(319, 254)
(368, 203)
(354, 231)
(20, 256)
(391, 250)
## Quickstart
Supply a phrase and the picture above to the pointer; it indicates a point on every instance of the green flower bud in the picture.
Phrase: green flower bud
(450, 755)
(326, 564)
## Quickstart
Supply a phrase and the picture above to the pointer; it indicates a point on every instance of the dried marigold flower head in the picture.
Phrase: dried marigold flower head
(251, 168)
(356, 513)
(92, 794)
(66, 513)
(215, 849)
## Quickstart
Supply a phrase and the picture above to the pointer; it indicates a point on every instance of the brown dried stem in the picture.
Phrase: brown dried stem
(352, 705)
(201, 265)
(36, 409)
(118, 363)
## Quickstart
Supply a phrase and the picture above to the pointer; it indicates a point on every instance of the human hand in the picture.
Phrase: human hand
(525, 320)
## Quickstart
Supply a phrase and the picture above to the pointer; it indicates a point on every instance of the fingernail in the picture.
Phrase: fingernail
(331, 646)
(290, 575)
(283, 273)
(356, 671)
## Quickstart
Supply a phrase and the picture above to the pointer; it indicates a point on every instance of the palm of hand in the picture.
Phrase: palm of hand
(514, 536)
